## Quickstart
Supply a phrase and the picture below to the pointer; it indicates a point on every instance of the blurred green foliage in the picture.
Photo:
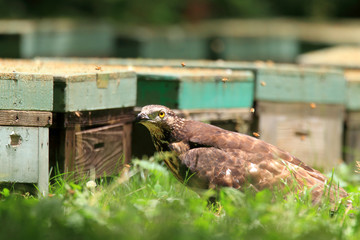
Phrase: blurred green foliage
(149, 203)
(173, 11)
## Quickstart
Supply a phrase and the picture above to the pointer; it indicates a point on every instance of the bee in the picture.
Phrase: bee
(252, 110)
(270, 63)
(262, 83)
(224, 79)
(98, 68)
(77, 113)
(71, 191)
(256, 134)
(313, 105)
(183, 64)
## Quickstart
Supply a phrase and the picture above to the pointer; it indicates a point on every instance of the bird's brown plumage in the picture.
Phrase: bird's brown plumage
(215, 157)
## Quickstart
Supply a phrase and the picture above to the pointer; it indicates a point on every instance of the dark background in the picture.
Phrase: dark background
(175, 11)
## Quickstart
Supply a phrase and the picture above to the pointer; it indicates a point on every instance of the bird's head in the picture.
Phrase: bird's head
(157, 117)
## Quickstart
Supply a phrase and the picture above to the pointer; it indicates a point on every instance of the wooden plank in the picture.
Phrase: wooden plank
(93, 118)
(214, 94)
(313, 135)
(82, 92)
(19, 153)
(197, 89)
(60, 37)
(353, 95)
(352, 136)
(21, 91)
(25, 118)
(43, 158)
(101, 149)
(254, 48)
(127, 128)
(299, 85)
(176, 47)
(69, 151)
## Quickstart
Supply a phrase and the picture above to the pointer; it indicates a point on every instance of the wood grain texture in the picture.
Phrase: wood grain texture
(25, 118)
(127, 128)
(101, 149)
(43, 146)
(94, 118)
(352, 136)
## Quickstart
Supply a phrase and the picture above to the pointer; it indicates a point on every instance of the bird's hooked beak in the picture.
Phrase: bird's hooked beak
(142, 117)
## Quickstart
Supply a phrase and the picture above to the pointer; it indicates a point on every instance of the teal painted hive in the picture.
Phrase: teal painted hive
(86, 104)
(25, 118)
(196, 88)
(301, 110)
(347, 59)
(298, 84)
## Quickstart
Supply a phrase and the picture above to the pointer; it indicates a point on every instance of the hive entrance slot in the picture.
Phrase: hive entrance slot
(15, 139)
(99, 145)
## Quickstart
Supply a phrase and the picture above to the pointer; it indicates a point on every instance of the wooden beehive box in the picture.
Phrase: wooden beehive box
(92, 115)
(26, 102)
(346, 58)
(221, 97)
(167, 42)
(301, 110)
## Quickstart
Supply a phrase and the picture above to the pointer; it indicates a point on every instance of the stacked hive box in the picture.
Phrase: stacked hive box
(220, 96)
(348, 59)
(286, 116)
(25, 118)
(301, 111)
(92, 114)
(160, 42)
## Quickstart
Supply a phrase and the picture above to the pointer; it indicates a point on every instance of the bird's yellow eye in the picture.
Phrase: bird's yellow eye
(161, 114)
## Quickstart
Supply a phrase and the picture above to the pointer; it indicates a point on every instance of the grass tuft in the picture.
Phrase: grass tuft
(146, 202)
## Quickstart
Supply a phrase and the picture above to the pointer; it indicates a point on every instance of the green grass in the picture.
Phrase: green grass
(149, 203)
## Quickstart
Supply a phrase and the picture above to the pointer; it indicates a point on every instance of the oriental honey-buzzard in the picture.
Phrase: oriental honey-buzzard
(215, 157)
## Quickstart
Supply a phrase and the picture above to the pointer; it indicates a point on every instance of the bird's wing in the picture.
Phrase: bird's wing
(201, 134)
(238, 169)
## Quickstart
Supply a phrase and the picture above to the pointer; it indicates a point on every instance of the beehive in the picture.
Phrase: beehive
(92, 112)
(221, 97)
(346, 58)
(301, 111)
(25, 118)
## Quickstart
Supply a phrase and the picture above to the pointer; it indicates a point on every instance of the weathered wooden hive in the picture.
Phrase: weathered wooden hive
(25, 118)
(301, 110)
(91, 113)
(222, 97)
(298, 108)
(346, 58)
